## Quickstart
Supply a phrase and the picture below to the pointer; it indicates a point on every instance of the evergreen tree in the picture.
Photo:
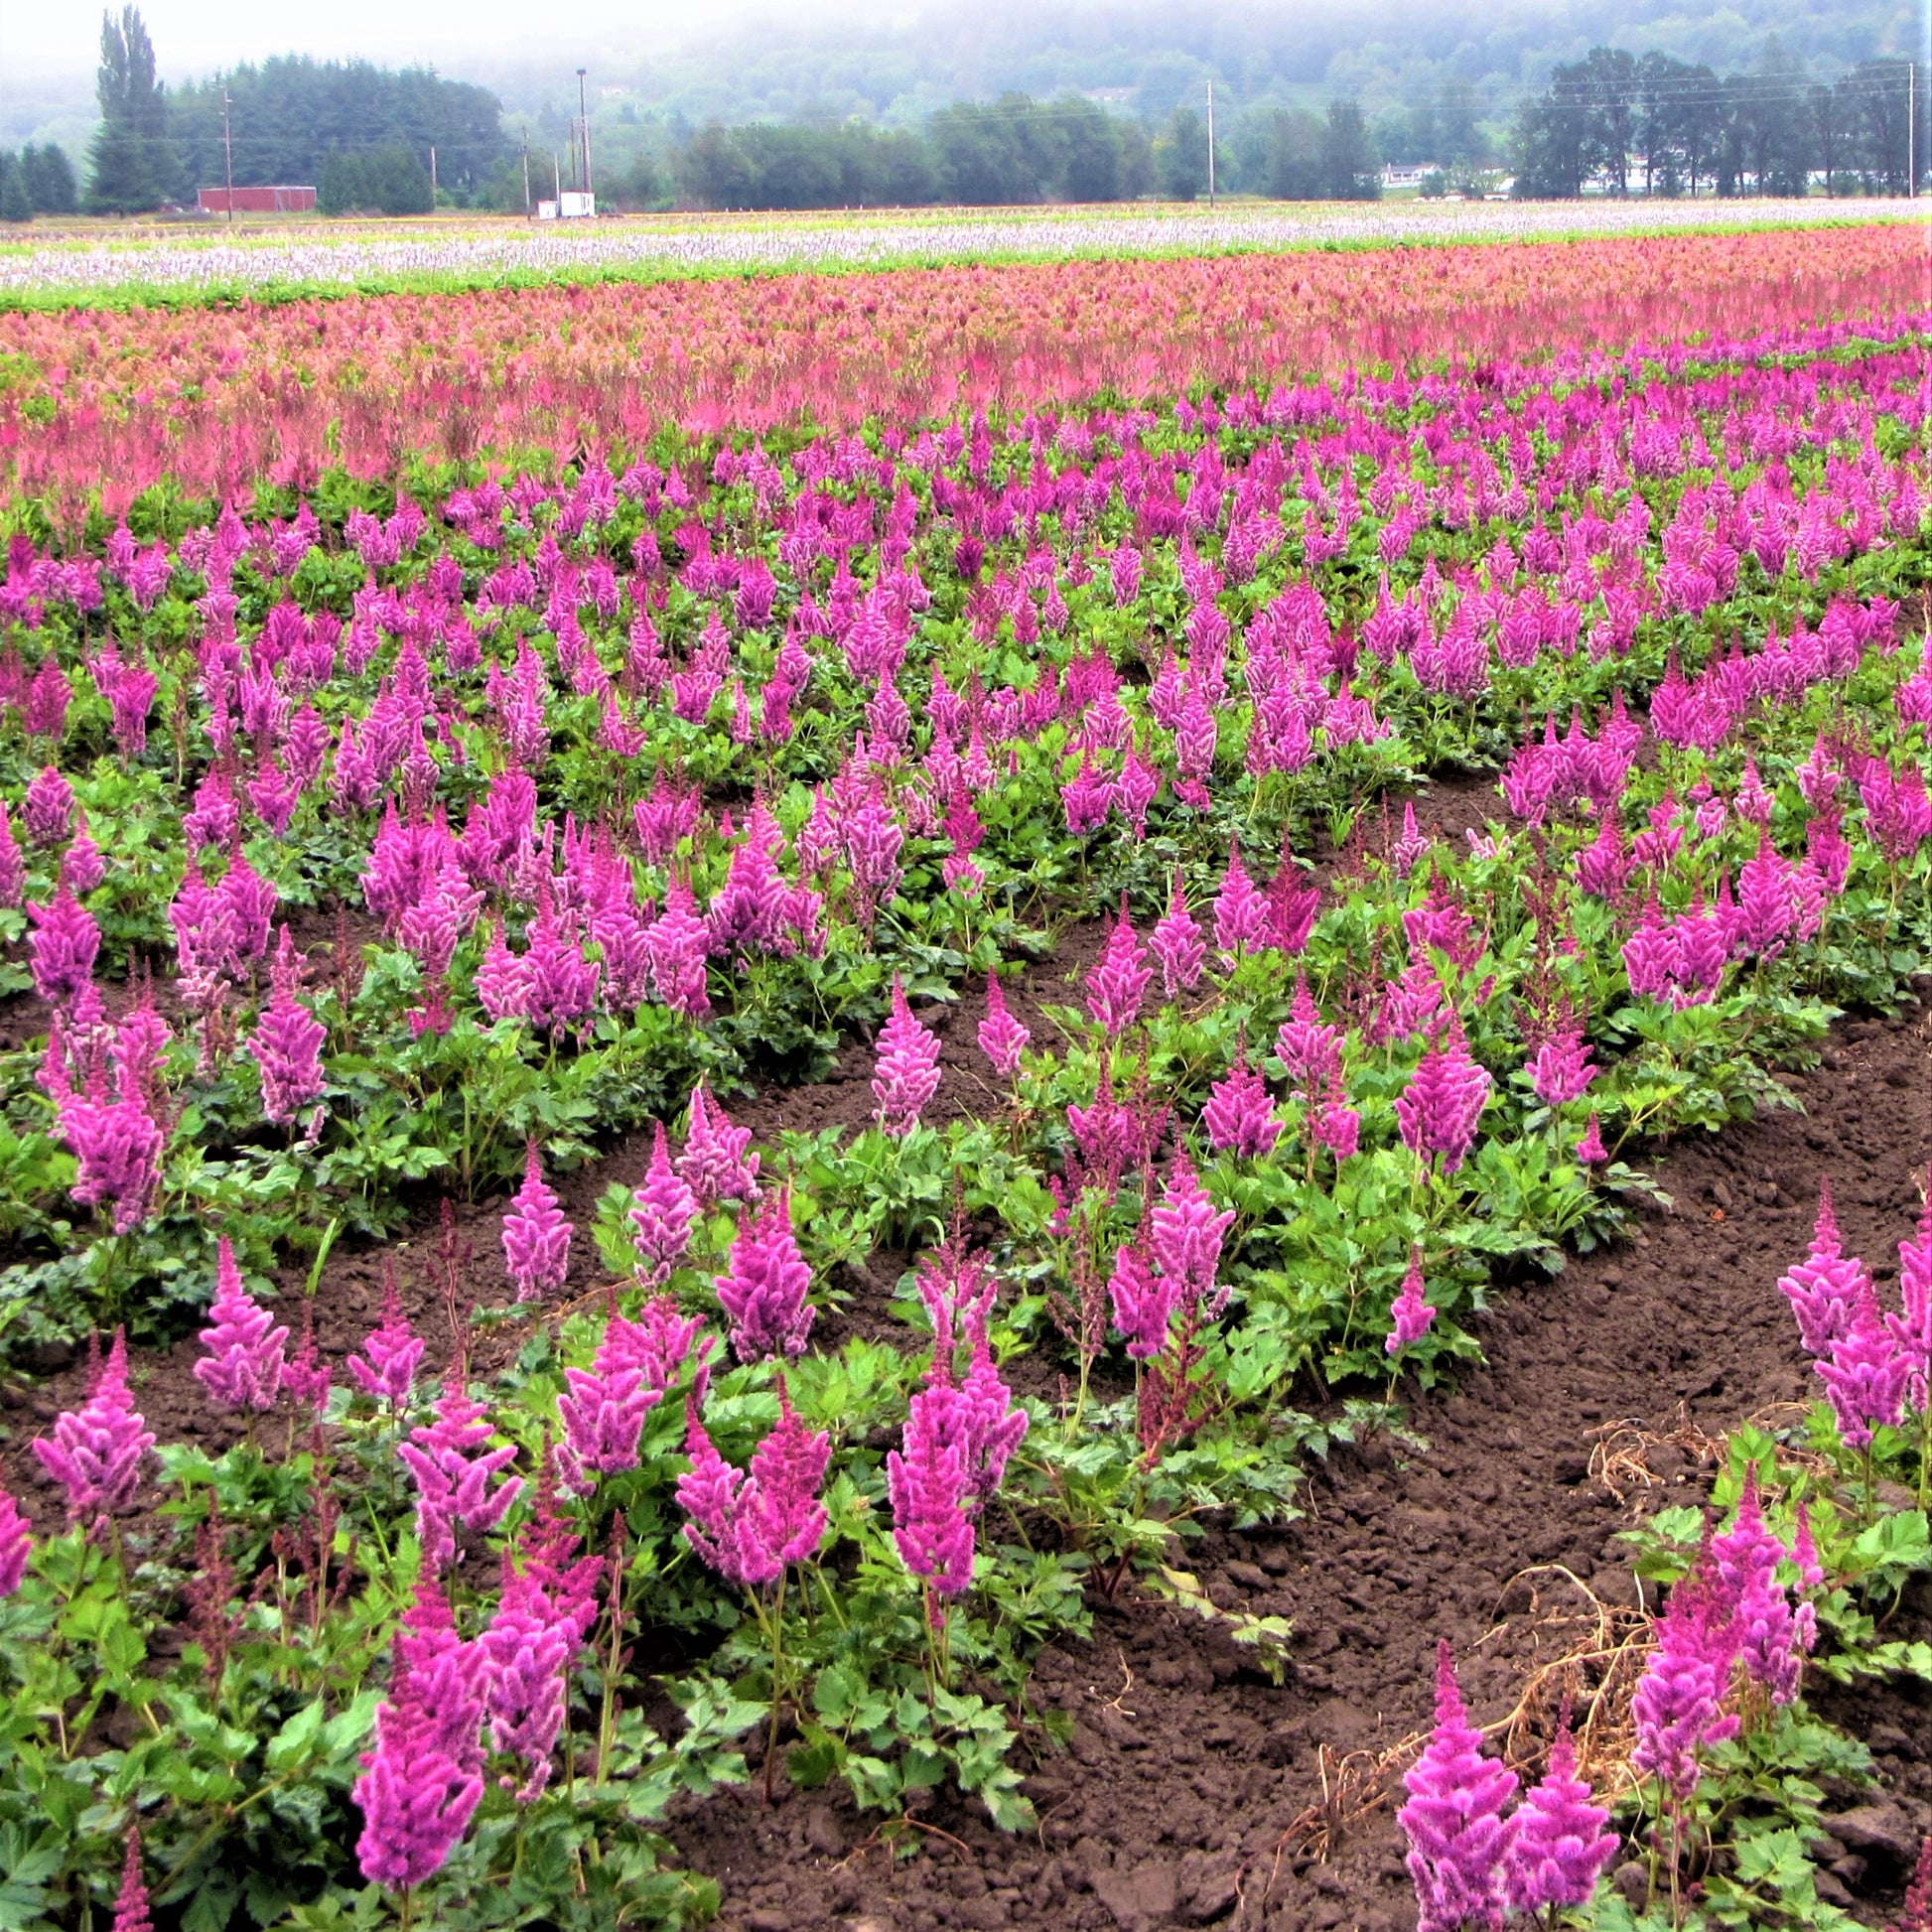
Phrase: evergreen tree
(1349, 170)
(131, 163)
(15, 203)
(1180, 156)
(50, 179)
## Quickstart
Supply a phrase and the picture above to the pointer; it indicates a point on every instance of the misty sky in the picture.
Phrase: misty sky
(196, 36)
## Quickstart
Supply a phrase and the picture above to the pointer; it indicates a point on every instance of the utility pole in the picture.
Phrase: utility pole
(583, 126)
(1912, 130)
(527, 177)
(227, 153)
(557, 179)
(432, 176)
(1210, 145)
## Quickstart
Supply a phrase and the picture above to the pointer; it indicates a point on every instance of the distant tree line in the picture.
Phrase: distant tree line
(1013, 151)
(361, 134)
(1661, 126)
(295, 119)
(36, 180)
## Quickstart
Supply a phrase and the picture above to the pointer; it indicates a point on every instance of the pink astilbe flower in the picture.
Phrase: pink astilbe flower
(1562, 1071)
(98, 1449)
(1410, 1315)
(1240, 1113)
(1557, 1846)
(931, 1489)
(16, 1545)
(1143, 1302)
(1865, 1375)
(305, 1377)
(386, 1367)
(906, 1074)
(1002, 1037)
(1677, 1708)
(1911, 1326)
(1459, 1841)
(1590, 1148)
(715, 1162)
(605, 1407)
(62, 948)
(416, 1794)
(1240, 910)
(46, 812)
(1408, 850)
(1185, 1232)
(1177, 945)
(749, 1525)
(1309, 1050)
(677, 944)
(527, 1651)
(536, 1234)
(118, 1144)
(1118, 982)
(453, 1473)
(1439, 1109)
(765, 1293)
(242, 1368)
(287, 1042)
(1825, 1287)
(661, 1213)
(131, 1913)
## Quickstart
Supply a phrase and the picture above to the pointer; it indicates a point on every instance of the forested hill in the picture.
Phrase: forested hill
(291, 114)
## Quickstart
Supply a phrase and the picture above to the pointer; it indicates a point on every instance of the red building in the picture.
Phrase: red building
(259, 200)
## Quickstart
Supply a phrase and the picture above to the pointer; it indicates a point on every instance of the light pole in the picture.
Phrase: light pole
(583, 126)
(1210, 147)
(227, 153)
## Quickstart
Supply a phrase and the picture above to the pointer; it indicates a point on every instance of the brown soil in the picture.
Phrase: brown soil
(1189, 1768)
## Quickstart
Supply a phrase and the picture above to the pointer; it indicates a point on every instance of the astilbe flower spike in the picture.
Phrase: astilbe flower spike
(715, 1162)
(1824, 1289)
(97, 1450)
(906, 1075)
(605, 1406)
(1557, 1842)
(246, 1352)
(62, 948)
(1911, 1326)
(1459, 1841)
(453, 1473)
(416, 1794)
(1917, 1913)
(16, 1544)
(1143, 1302)
(1240, 1113)
(1677, 1708)
(749, 1525)
(1562, 1070)
(661, 1213)
(765, 1291)
(932, 1491)
(1187, 1232)
(1590, 1148)
(1439, 1109)
(1177, 945)
(536, 1234)
(386, 1367)
(131, 1912)
(1117, 984)
(1410, 1315)
(287, 1043)
(1865, 1375)
(1002, 1037)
